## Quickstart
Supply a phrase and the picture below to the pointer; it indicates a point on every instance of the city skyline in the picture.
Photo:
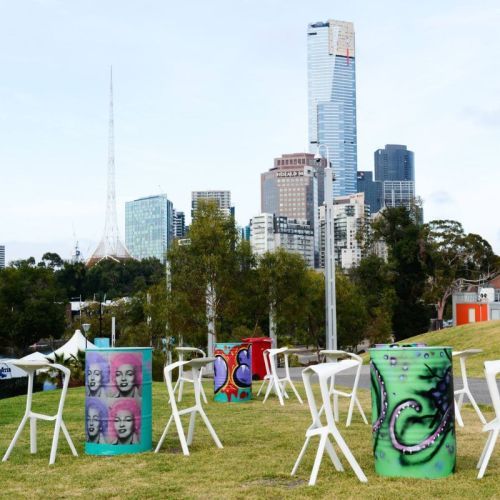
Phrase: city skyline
(175, 106)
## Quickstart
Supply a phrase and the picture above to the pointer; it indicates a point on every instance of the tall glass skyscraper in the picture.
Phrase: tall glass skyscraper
(331, 68)
(395, 162)
(149, 227)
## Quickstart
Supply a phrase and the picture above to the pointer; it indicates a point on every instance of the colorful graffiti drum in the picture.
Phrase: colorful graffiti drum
(118, 400)
(232, 372)
(413, 418)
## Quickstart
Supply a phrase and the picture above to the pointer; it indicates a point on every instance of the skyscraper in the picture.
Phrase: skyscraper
(222, 198)
(394, 163)
(179, 224)
(294, 188)
(371, 189)
(2, 256)
(331, 68)
(149, 227)
(395, 169)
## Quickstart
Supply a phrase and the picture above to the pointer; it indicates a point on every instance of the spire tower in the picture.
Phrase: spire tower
(110, 246)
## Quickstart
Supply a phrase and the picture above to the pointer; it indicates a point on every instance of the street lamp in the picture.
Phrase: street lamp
(330, 299)
(86, 328)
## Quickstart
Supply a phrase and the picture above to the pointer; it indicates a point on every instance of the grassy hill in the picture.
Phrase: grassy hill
(485, 336)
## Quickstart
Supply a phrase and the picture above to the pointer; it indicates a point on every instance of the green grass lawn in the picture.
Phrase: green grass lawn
(485, 336)
(261, 443)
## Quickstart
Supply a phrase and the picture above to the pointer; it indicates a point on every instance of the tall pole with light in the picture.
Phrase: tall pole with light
(330, 299)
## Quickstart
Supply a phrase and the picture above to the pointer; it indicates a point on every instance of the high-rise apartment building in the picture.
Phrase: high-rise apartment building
(331, 68)
(394, 163)
(269, 232)
(2, 256)
(351, 216)
(179, 229)
(222, 198)
(262, 233)
(149, 227)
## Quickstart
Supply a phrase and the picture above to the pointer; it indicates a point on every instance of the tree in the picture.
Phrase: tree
(408, 257)
(374, 281)
(352, 316)
(284, 286)
(32, 306)
(206, 276)
(455, 257)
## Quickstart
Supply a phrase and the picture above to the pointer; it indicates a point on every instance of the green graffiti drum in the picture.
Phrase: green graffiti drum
(118, 400)
(413, 419)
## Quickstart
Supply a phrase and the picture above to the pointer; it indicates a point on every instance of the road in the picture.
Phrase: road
(477, 386)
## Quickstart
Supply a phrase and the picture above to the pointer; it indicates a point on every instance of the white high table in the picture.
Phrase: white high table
(30, 367)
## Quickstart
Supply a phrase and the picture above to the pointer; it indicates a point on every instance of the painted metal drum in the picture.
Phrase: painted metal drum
(118, 400)
(233, 372)
(413, 417)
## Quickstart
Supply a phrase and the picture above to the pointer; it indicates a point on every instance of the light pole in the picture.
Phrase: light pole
(330, 299)
(86, 328)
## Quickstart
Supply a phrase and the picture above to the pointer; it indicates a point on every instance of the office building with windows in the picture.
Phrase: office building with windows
(394, 163)
(269, 232)
(351, 216)
(179, 224)
(221, 198)
(2, 256)
(294, 188)
(331, 68)
(149, 227)
(371, 189)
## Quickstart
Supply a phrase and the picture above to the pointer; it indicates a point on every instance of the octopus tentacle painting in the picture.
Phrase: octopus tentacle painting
(413, 412)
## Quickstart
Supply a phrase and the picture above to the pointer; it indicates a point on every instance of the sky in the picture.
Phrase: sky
(207, 93)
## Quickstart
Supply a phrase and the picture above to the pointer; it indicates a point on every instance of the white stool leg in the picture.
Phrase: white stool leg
(16, 437)
(349, 456)
(458, 415)
(334, 457)
(210, 429)
(164, 435)
(295, 391)
(29, 399)
(485, 447)
(33, 446)
(262, 385)
(55, 440)
(476, 407)
(269, 388)
(68, 439)
(317, 461)
(191, 427)
(491, 445)
(301, 455)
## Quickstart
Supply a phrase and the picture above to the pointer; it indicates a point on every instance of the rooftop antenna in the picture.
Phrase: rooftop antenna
(110, 246)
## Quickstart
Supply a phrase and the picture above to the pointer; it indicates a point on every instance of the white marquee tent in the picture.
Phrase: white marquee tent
(72, 346)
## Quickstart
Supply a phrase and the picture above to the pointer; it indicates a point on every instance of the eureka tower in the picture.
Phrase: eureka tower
(331, 71)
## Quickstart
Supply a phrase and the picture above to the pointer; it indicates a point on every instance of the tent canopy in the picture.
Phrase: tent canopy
(71, 347)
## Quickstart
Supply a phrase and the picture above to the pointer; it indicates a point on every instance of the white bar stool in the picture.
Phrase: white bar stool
(30, 367)
(491, 370)
(325, 372)
(267, 376)
(279, 384)
(332, 356)
(196, 365)
(182, 378)
(465, 390)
